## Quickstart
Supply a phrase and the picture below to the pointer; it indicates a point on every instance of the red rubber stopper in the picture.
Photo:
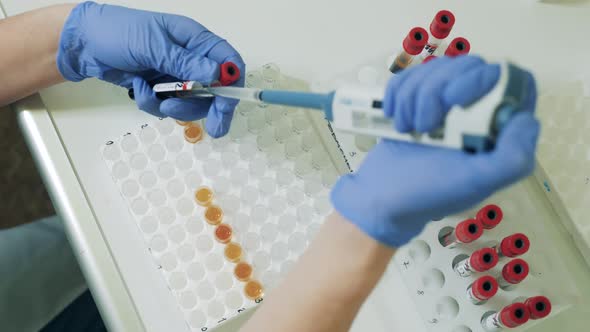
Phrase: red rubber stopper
(415, 41)
(515, 245)
(429, 58)
(442, 24)
(483, 259)
(515, 271)
(484, 287)
(538, 306)
(229, 73)
(458, 46)
(468, 230)
(514, 315)
(490, 216)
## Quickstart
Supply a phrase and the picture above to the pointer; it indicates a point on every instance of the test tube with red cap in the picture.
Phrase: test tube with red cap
(480, 261)
(513, 273)
(513, 245)
(412, 46)
(429, 58)
(511, 316)
(482, 289)
(466, 231)
(458, 46)
(490, 216)
(440, 28)
(538, 306)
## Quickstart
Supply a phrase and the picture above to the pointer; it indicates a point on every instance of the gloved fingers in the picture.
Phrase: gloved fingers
(179, 62)
(145, 97)
(220, 116)
(185, 109)
(514, 154)
(531, 99)
(184, 31)
(430, 110)
(471, 85)
(401, 97)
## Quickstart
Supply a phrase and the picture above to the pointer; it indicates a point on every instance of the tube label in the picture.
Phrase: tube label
(174, 86)
(463, 268)
(492, 323)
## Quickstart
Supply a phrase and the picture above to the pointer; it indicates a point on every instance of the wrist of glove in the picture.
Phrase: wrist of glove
(401, 186)
(71, 55)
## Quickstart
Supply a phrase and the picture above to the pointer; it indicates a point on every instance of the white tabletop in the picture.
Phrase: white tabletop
(307, 38)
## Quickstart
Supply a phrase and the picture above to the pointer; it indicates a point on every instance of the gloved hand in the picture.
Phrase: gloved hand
(131, 47)
(401, 186)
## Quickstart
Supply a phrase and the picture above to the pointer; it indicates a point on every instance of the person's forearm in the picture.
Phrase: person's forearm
(29, 50)
(329, 283)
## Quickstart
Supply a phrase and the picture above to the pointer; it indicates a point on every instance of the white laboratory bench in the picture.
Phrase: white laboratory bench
(315, 40)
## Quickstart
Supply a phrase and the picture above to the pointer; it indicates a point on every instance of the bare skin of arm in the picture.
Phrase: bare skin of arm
(326, 288)
(29, 51)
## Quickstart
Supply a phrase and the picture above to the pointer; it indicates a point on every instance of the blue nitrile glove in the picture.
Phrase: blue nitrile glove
(401, 186)
(131, 47)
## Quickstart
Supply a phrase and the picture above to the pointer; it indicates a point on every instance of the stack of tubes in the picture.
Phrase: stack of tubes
(419, 46)
(512, 273)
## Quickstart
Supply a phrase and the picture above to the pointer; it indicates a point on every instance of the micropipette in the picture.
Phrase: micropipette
(359, 110)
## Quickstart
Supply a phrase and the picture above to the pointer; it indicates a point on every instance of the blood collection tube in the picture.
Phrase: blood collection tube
(412, 46)
(466, 231)
(513, 273)
(513, 245)
(510, 316)
(480, 261)
(490, 216)
(440, 28)
(458, 46)
(429, 58)
(482, 289)
(538, 306)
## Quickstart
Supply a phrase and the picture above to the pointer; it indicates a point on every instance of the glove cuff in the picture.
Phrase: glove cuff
(363, 212)
(71, 45)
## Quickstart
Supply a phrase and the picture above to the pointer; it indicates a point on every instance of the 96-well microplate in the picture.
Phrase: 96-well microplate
(271, 177)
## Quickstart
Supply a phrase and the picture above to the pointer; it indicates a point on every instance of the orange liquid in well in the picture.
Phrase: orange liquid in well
(243, 271)
(193, 133)
(233, 252)
(213, 215)
(182, 123)
(253, 290)
(204, 196)
(223, 233)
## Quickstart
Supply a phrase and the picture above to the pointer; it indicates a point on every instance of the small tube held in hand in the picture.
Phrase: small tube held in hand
(458, 46)
(440, 28)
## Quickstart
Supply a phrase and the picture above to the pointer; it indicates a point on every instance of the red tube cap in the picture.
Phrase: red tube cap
(514, 315)
(229, 73)
(442, 24)
(468, 230)
(458, 46)
(483, 259)
(484, 287)
(415, 41)
(538, 306)
(490, 216)
(429, 58)
(515, 271)
(515, 245)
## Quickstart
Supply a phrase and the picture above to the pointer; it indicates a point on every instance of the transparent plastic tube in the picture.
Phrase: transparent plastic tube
(412, 46)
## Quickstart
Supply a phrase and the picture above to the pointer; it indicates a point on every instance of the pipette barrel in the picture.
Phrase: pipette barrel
(466, 231)
(480, 261)
(413, 44)
(513, 273)
(482, 289)
(513, 245)
(510, 316)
